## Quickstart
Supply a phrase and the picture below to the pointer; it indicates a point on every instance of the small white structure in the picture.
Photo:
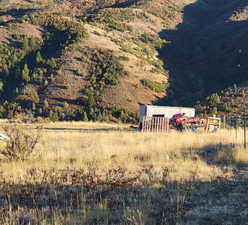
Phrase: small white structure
(164, 111)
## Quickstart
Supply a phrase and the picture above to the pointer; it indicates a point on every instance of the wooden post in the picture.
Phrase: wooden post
(143, 124)
(150, 127)
(245, 133)
(236, 131)
(160, 127)
(157, 124)
(224, 121)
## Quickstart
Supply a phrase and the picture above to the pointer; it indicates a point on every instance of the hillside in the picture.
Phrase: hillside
(208, 50)
(77, 60)
(98, 60)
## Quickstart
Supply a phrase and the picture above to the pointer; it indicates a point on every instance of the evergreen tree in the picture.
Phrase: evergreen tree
(25, 44)
(39, 58)
(25, 73)
(40, 111)
(52, 63)
(46, 104)
(99, 116)
(85, 117)
(214, 99)
(91, 99)
(5, 70)
(45, 82)
(1, 86)
(92, 114)
(33, 106)
(33, 43)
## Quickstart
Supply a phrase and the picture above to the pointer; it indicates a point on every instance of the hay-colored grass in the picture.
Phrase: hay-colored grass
(96, 176)
(179, 153)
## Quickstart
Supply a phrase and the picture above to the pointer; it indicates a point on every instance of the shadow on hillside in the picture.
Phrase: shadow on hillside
(205, 53)
(125, 4)
(117, 4)
(17, 13)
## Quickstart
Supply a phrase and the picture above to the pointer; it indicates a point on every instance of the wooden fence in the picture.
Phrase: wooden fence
(155, 124)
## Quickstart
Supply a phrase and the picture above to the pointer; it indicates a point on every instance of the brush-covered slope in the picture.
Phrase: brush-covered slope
(100, 59)
(82, 60)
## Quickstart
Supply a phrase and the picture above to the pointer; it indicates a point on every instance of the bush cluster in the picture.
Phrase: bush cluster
(74, 29)
(153, 85)
(20, 143)
(117, 19)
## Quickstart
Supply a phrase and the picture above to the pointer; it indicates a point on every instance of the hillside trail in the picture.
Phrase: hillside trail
(197, 49)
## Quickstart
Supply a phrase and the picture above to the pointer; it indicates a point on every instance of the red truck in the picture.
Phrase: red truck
(181, 122)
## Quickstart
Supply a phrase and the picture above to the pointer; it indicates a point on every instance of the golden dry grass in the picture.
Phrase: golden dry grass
(179, 153)
(90, 176)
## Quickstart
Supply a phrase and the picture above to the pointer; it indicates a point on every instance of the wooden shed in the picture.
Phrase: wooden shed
(164, 111)
(156, 118)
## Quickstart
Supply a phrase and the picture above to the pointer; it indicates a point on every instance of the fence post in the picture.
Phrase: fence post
(245, 133)
(236, 131)
(224, 121)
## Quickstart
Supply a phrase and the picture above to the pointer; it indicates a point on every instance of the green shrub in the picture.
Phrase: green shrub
(25, 73)
(1, 86)
(105, 67)
(52, 63)
(20, 144)
(153, 85)
(73, 28)
(116, 19)
(151, 39)
(32, 95)
(214, 99)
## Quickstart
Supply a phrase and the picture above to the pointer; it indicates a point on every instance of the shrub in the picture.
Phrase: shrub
(52, 63)
(214, 99)
(106, 67)
(32, 95)
(1, 86)
(39, 58)
(153, 85)
(151, 38)
(25, 73)
(20, 144)
(73, 28)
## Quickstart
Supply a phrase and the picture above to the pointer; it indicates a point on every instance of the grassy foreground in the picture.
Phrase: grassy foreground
(121, 177)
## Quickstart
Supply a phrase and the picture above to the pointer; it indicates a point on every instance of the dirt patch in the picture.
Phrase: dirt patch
(99, 41)
(128, 95)
(4, 36)
(30, 30)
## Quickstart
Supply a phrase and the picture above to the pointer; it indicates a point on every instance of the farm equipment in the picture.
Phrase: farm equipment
(181, 122)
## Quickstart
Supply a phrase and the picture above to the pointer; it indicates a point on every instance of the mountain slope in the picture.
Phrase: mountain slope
(208, 50)
(84, 62)
(99, 60)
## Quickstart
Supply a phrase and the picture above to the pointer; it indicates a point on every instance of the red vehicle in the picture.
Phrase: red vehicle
(180, 122)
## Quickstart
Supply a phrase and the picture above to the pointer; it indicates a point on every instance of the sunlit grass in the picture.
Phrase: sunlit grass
(179, 152)
(120, 177)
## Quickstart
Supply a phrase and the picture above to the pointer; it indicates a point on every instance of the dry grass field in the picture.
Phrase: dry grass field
(91, 173)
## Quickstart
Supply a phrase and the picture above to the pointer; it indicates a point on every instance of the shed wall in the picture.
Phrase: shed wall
(166, 111)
